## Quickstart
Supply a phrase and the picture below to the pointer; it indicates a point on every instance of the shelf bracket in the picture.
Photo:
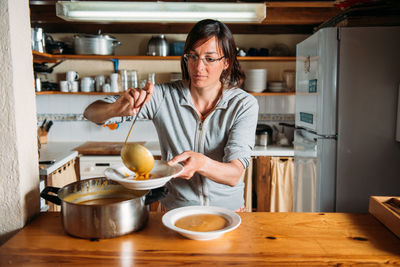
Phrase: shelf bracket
(116, 64)
(42, 67)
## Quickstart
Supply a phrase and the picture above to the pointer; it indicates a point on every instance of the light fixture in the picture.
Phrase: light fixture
(110, 11)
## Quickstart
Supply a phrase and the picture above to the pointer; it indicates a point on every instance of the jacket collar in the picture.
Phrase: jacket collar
(186, 99)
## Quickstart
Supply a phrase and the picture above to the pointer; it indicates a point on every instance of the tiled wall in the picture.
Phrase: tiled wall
(69, 125)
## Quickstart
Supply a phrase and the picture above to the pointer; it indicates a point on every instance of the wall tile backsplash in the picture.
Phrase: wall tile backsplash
(276, 104)
(66, 111)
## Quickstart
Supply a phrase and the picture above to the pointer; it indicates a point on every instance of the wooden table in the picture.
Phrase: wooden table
(262, 239)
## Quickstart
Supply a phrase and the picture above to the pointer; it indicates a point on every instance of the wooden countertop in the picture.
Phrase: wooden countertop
(262, 239)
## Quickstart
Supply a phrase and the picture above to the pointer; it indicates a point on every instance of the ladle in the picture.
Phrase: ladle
(136, 157)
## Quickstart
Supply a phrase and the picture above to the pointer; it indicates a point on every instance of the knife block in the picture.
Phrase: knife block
(42, 136)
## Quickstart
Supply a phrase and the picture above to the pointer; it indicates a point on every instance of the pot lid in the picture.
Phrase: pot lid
(263, 128)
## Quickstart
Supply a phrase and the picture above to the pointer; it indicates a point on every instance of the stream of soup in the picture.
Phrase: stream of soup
(202, 222)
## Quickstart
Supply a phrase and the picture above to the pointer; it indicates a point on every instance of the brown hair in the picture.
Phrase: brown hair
(202, 31)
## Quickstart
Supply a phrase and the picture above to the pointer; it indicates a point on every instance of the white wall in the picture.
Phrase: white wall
(67, 131)
(19, 180)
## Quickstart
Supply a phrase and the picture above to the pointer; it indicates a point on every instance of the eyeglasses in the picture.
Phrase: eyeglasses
(192, 58)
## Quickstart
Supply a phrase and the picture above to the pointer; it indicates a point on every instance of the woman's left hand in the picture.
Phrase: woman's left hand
(227, 173)
(192, 162)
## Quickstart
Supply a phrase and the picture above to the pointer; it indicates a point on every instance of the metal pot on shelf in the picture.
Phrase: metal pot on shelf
(95, 44)
(101, 208)
(158, 46)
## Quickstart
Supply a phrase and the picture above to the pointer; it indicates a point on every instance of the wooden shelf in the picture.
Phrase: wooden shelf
(272, 93)
(43, 57)
(102, 93)
(74, 93)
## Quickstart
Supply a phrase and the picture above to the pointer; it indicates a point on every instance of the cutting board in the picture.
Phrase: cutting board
(101, 148)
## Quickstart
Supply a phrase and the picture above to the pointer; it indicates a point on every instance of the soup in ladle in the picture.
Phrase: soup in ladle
(138, 159)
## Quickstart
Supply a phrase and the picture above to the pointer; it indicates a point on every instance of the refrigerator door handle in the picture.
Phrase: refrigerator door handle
(323, 136)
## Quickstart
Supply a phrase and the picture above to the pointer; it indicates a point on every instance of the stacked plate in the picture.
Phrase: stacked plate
(256, 80)
(276, 86)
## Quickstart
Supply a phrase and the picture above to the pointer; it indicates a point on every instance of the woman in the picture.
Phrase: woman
(204, 121)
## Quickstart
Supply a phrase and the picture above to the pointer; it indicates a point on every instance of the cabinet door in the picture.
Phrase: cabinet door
(274, 183)
(262, 182)
(61, 177)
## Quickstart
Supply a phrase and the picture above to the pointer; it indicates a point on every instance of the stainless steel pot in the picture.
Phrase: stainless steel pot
(158, 46)
(263, 135)
(92, 44)
(262, 139)
(102, 220)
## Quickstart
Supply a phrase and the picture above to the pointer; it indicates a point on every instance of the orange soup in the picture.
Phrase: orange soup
(202, 222)
(103, 201)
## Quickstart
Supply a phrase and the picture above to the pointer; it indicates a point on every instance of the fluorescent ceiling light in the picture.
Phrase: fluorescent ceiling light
(103, 11)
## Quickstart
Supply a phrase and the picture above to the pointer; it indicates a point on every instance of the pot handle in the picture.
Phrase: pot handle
(52, 198)
(156, 194)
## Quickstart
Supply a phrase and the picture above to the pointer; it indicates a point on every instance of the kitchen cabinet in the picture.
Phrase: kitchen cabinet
(58, 166)
(66, 174)
(49, 58)
(266, 182)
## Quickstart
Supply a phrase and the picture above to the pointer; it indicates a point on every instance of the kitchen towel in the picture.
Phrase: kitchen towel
(281, 188)
(305, 184)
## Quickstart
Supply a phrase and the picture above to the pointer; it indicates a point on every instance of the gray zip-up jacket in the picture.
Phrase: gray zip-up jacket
(226, 134)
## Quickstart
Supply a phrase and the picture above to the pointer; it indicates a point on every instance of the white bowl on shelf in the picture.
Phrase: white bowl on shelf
(276, 86)
(256, 80)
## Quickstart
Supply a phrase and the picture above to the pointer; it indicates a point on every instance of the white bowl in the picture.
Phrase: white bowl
(256, 80)
(121, 174)
(172, 216)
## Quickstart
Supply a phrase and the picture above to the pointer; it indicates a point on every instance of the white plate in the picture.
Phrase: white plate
(172, 216)
(124, 176)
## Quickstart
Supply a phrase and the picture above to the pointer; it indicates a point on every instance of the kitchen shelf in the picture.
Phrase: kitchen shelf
(272, 93)
(102, 93)
(74, 93)
(45, 57)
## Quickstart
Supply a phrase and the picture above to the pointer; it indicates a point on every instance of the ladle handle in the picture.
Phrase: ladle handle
(137, 114)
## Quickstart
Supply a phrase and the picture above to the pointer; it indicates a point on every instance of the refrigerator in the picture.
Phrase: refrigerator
(345, 148)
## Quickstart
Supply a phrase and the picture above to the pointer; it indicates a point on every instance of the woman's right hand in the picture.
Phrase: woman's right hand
(127, 104)
(132, 99)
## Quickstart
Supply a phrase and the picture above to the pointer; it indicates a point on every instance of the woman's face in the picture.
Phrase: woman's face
(205, 65)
